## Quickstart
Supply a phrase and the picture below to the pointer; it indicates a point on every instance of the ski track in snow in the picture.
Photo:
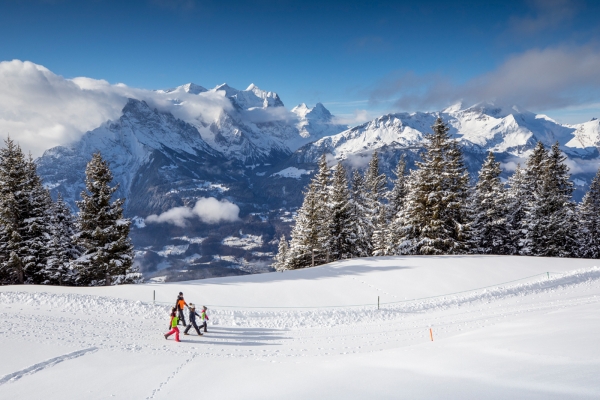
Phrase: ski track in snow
(43, 365)
(282, 335)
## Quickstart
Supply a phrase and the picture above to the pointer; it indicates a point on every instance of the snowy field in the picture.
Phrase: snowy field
(503, 327)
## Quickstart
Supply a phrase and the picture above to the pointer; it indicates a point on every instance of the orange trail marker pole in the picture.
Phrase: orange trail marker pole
(431, 334)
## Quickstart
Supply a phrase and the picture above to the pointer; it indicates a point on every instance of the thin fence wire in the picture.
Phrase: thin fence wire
(375, 304)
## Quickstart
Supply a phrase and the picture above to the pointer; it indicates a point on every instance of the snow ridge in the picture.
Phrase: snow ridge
(311, 317)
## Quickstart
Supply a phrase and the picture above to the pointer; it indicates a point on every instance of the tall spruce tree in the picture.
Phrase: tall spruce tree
(38, 233)
(434, 219)
(24, 218)
(306, 234)
(375, 208)
(13, 209)
(517, 197)
(589, 221)
(322, 182)
(103, 235)
(551, 218)
(535, 169)
(362, 225)
(396, 200)
(490, 228)
(62, 248)
(341, 224)
(398, 193)
(281, 257)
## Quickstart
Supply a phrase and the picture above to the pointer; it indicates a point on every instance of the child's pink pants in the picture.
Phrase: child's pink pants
(175, 331)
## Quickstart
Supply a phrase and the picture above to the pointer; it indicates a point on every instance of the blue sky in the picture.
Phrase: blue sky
(359, 58)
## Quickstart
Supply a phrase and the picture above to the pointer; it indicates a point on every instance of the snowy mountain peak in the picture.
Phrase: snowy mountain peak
(453, 108)
(190, 88)
(300, 110)
(134, 106)
(252, 97)
(318, 112)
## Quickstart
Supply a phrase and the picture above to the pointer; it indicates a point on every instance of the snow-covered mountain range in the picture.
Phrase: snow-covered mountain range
(254, 152)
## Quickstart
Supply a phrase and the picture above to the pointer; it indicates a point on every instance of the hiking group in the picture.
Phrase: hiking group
(177, 316)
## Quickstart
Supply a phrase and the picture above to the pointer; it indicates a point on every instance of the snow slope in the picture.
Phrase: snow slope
(504, 327)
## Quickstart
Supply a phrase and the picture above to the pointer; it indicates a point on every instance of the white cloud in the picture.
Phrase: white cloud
(209, 210)
(177, 216)
(356, 118)
(538, 79)
(40, 109)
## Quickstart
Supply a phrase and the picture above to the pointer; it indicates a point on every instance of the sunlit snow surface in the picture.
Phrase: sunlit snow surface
(503, 327)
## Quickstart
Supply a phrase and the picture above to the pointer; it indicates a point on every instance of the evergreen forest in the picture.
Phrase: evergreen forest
(436, 209)
(42, 242)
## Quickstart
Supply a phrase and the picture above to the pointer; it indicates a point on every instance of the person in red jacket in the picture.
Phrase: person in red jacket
(173, 326)
(179, 305)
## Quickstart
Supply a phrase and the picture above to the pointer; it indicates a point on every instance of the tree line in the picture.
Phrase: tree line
(434, 210)
(42, 242)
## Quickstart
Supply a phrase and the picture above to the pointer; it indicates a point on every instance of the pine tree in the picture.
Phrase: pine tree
(322, 182)
(534, 174)
(62, 248)
(280, 263)
(517, 203)
(589, 221)
(103, 235)
(342, 234)
(306, 232)
(361, 224)
(13, 206)
(398, 193)
(24, 218)
(38, 232)
(551, 219)
(434, 219)
(491, 233)
(375, 192)
(396, 203)
(379, 239)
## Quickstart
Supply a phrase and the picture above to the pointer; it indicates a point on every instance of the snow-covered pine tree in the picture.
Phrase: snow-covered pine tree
(490, 230)
(322, 182)
(13, 206)
(103, 235)
(534, 175)
(375, 185)
(434, 219)
(341, 224)
(63, 251)
(551, 219)
(38, 232)
(361, 224)
(589, 221)
(282, 255)
(381, 234)
(396, 200)
(24, 217)
(398, 193)
(304, 244)
(517, 201)
(457, 194)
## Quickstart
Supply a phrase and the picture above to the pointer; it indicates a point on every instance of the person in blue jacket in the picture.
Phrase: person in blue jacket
(193, 314)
